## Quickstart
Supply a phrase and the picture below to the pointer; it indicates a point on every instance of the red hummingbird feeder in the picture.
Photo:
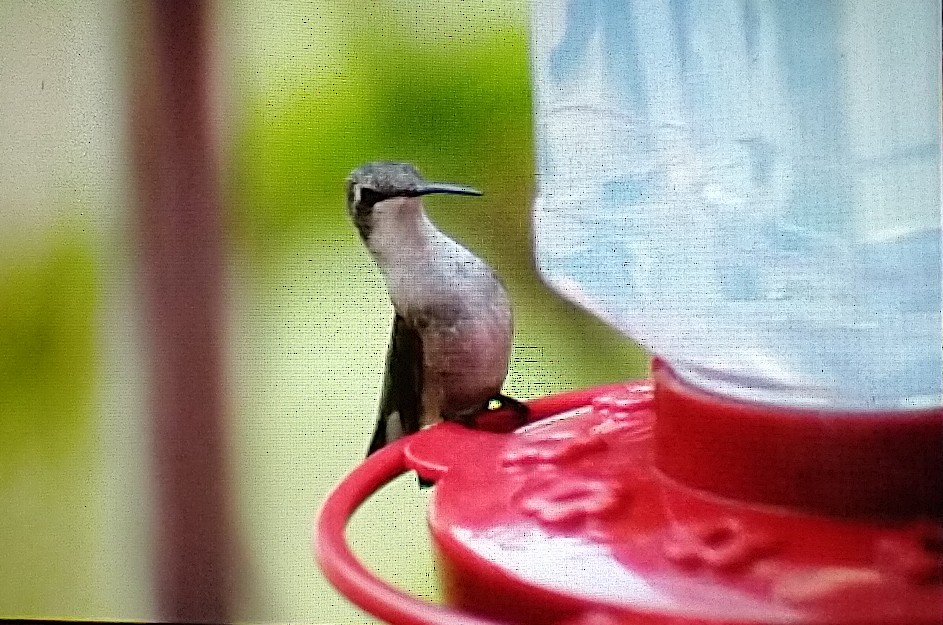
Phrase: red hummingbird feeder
(751, 191)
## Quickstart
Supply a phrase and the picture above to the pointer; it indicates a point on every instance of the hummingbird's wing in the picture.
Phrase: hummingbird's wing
(402, 386)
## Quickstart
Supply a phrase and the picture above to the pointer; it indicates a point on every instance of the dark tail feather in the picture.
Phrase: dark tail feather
(378, 441)
(402, 386)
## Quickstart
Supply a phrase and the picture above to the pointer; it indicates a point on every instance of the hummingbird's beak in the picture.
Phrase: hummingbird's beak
(441, 187)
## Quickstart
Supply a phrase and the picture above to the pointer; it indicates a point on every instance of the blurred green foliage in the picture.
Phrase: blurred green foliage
(459, 109)
(48, 299)
(49, 296)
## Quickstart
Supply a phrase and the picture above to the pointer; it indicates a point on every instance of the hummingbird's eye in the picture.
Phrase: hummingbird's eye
(367, 197)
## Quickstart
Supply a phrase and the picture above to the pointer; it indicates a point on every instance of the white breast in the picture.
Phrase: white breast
(456, 303)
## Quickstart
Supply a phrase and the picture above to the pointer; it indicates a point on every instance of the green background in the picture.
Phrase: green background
(304, 93)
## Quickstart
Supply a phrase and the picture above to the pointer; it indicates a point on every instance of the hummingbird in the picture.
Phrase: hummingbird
(452, 328)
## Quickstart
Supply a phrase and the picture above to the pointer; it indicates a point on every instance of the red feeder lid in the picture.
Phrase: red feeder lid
(641, 503)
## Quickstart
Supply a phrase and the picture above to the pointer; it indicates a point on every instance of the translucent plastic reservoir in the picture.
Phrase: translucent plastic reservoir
(750, 189)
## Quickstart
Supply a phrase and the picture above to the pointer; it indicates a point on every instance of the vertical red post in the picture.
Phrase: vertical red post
(180, 239)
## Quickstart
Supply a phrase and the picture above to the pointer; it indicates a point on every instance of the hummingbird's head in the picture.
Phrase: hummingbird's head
(385, 190)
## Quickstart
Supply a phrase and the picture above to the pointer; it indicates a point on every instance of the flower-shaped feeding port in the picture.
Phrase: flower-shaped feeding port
(616, 417)
(569, 502)
(554, 447)
(631, 426)
(619, 404)
(723, 545)
(916, 556)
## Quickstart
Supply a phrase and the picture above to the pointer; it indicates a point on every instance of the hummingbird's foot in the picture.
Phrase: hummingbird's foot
(520, 409)
(500, 414)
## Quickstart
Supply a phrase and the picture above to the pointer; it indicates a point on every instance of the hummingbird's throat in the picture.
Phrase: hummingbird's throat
(401, 237)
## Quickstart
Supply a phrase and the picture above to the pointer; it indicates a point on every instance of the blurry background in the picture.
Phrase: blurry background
(302, 93)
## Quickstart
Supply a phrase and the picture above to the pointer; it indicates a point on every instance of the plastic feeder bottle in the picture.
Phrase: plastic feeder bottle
(751, 190)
